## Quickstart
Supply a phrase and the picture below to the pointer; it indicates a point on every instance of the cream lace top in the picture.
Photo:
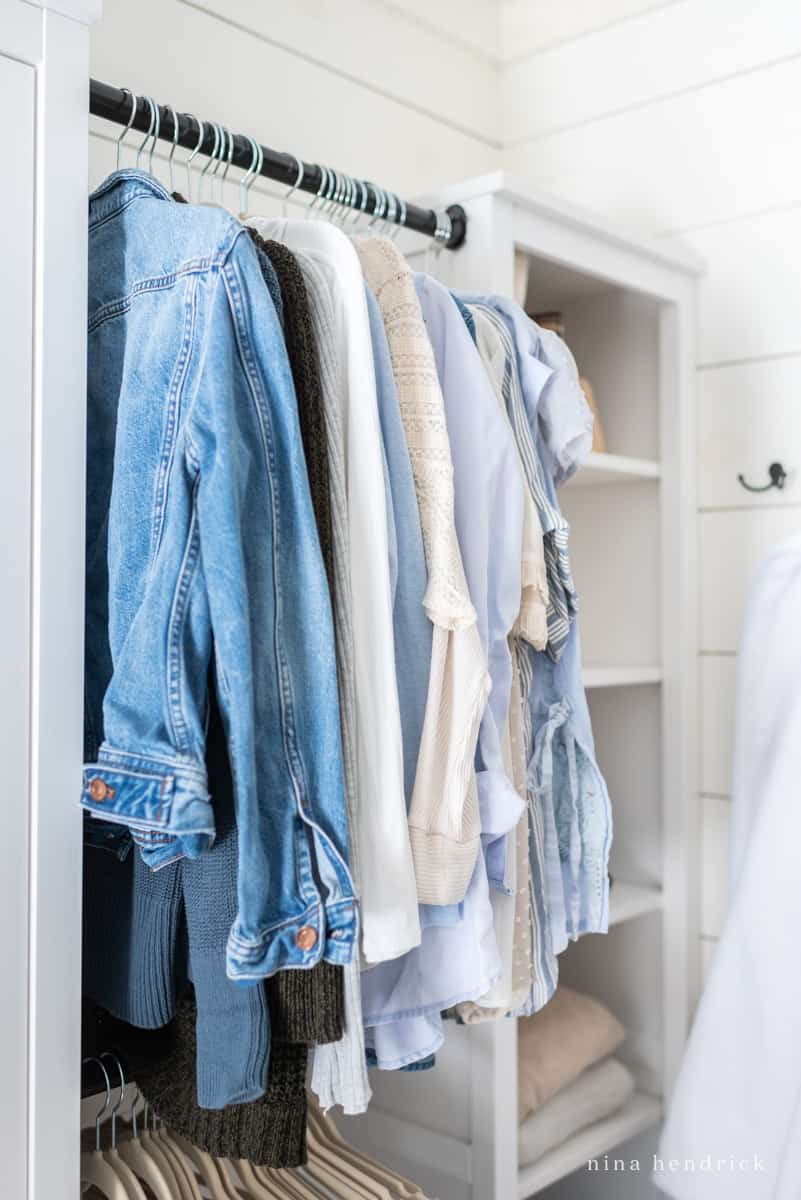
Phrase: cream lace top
(444, 821)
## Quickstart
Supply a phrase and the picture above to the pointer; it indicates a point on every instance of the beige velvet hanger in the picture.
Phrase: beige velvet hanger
(184, 1171)
(322, 1157)
(204, 1165)
(137, 1156)
(328, 1131)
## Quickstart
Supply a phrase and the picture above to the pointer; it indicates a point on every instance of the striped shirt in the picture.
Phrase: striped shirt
(562, 597)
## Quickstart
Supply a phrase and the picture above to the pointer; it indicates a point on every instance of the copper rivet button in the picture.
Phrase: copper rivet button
(305, 938)
(98, 790)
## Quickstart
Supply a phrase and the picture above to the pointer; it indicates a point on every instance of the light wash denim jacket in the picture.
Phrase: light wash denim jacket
(201, 547)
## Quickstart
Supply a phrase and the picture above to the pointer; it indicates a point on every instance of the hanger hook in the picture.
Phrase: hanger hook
(156, 132)
(224, 138)
(118, 1105)
(378, 207)
(201, 137)
(401, 219)
(350, 198)
(359, 212)
(107, 1100)
(323, 180)
(150, 129)
(124, 134)
(392, 212)
(301, 172)
(330, 180)
(334, 198)
(229, 158)
(211, 158)
(171, 155)
(134, 1102)
(259, 163)
(244, 182)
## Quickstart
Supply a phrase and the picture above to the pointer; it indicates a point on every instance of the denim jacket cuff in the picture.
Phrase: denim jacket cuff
(164, 803)
(320, 932)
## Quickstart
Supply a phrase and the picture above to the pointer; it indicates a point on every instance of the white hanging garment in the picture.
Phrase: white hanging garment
(735, 1119)
(389, 916)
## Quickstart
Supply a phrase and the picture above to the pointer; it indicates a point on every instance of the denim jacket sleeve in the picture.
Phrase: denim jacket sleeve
(240, 564)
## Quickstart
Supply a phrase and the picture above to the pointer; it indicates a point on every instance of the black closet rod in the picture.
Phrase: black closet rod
(115, 104)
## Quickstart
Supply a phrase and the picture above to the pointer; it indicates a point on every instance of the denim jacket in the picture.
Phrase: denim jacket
(202, 548)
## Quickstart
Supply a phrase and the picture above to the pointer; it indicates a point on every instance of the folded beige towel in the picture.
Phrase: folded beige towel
(597, 1093)
(556, 1044)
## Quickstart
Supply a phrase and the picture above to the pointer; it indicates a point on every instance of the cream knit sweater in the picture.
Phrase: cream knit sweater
(444, 823)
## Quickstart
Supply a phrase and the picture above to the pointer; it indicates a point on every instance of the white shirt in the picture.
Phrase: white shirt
(739, 1090)
(389, 915)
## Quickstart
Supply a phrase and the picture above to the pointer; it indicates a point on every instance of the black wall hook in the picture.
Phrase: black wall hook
(778, 476)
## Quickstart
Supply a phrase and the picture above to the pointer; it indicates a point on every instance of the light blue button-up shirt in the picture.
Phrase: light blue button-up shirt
(488, 506)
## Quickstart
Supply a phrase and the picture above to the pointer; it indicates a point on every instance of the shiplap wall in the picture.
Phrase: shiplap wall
(377, 88)
(683, 118)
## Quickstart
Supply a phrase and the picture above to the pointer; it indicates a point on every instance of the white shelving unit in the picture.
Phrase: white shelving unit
(628, 310)
(608, 677)
(639, 1113)
(614, 468)
(630, 900)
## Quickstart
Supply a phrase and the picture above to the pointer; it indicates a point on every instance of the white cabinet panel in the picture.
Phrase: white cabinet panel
(749, 416)
(718, 685)
(732, 545)
(715, 865)
(17, 91)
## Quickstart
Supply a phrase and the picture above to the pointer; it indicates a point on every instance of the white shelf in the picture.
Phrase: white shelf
(630, 900)
(604, 677)
(638, 1114)
(614, 468)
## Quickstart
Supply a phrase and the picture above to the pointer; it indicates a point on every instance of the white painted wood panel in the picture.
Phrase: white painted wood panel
(475, 24)
(21, 31)
(682, 161)
(58, 544)
(732, 545)
(750, 298)
(634, 62)
(376, 46)
(718, 689)
(17, 91)
(278, 98)
(749, 415)
(714, 865)
(529, 26)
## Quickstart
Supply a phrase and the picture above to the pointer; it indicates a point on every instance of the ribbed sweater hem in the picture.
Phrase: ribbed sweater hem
(274, 1134)
(443, 865)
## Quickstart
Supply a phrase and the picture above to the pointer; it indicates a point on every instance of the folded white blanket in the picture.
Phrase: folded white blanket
(597, 1093)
